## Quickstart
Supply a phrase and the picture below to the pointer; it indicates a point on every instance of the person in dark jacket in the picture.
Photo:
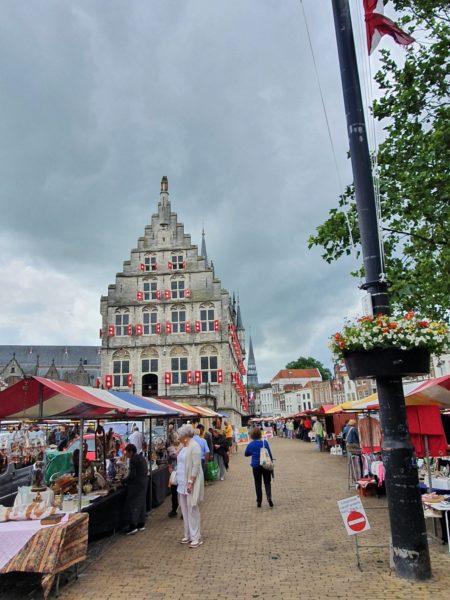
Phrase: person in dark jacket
(259, 473)
(220, 452)
(136, 482)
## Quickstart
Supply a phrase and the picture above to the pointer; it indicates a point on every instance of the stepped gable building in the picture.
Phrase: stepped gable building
(75, 364)
(168, 326)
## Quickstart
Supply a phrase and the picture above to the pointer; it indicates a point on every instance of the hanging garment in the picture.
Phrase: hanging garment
(426, 420)
(369, 435)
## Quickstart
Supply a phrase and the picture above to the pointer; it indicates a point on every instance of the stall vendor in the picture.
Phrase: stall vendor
(136, 482)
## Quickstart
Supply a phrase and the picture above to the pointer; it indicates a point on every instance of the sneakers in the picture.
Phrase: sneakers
(185, 541)
(132, 531)
(222, 478)
(141, 528)
(195, 544)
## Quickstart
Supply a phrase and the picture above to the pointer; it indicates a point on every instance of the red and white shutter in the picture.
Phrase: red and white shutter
(168, 378)
(111, 331)
(130, 330)
(140, 296)
(139, 329)
(158, 328)
(220, 376)
(170, 265)
(142, 267)
(168, 327)
(198, 326)
(130, 380)
(189, 377)
(216, 325)
(184, 264)
(167, 294)
(158, 294)
(197, 376)
(187, 293)
(188, 327)
(108, 381)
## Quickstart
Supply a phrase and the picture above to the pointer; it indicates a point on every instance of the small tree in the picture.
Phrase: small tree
(310, 363)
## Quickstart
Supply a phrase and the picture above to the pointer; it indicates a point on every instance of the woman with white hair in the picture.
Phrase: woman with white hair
(190, 485)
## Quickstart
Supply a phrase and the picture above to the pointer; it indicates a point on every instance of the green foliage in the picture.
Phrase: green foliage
(310, 363)
(413, 164)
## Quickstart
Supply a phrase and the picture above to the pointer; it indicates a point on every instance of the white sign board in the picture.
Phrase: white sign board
(353, 514)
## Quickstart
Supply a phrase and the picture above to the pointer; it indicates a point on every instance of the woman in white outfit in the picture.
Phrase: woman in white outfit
(190, 485)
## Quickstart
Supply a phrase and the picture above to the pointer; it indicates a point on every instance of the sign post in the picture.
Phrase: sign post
(354, 518)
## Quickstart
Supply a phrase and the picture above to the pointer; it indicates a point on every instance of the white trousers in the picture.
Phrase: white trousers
(191, 518)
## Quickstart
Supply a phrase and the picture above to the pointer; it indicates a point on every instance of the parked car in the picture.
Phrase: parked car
(89, 438)
(12, 476)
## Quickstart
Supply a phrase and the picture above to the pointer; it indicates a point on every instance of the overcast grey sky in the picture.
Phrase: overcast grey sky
(99, 100)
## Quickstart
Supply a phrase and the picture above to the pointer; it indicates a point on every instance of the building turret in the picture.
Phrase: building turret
(252, 375)
(164, 204)
(203, 250)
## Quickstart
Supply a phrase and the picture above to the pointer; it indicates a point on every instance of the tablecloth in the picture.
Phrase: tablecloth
(52, 550)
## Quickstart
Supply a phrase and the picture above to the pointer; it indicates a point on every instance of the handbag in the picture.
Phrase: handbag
(173, 478)
(212, 471)
(264, 458)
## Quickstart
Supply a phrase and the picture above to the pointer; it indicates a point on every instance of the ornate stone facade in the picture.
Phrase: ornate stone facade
(168, 326)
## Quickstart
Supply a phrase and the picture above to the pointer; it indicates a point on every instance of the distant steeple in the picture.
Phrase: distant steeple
(203, 251)
(252, 375)
(239, 323)
(164, 204)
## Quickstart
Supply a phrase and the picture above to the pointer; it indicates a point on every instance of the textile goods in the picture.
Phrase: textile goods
(426, 420)
(369, 434)
(51, 550)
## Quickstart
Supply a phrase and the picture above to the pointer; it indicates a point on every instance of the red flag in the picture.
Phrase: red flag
(378, 25)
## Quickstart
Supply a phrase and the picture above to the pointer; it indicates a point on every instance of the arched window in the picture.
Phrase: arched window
(178, 317)
(150, 262)
(122, 321)
(179, 364)
(121, 368)
(207, 316)
(150, 288)
(149, 361)
(149, 320)
(209, 363)
(177, 287)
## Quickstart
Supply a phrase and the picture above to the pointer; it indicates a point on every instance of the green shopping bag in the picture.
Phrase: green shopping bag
(212, 471)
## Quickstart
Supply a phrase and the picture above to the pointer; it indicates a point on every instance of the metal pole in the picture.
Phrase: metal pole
(151, 467)
(80, 465)
(427, 456)
(409, 538)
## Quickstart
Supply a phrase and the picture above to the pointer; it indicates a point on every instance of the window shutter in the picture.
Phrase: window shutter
(111, 331)
(142, 267)
(158, 328)
(108, 381)
(220, 376)
(197, 376)
(158, 294)
(188, 327)
(198, 326)
(167, 294)
(184, 264)
(189, 377)
(168, 378)
(187, 293)
(130, 380)
(140, 296)
(130, 329)
(139, 329)
(168, 327)
(170, 265)
(216, 325)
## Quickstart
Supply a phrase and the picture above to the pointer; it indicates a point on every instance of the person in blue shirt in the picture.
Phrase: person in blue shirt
(259, 473)
(204, 449)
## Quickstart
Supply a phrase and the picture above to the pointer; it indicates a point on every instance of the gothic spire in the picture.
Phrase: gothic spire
(203, 251)
(164, 204)
(239, 323)
(252, 375)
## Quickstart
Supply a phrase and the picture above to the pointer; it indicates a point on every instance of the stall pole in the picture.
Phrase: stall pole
(80, 465)
(150, 483)
(409, 535)
(41, 401)
(427, 457)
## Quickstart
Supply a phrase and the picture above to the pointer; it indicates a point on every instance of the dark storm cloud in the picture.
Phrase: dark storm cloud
(99, 100)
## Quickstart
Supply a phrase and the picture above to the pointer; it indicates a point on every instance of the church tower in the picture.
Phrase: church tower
(252, 375)
(168, 326)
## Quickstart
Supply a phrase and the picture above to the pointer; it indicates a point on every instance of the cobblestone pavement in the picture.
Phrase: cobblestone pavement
(298, 549)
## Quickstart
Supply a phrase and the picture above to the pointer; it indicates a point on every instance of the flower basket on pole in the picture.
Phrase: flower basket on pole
(387, 362)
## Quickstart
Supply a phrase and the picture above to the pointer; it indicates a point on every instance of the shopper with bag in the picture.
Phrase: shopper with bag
(262, 465)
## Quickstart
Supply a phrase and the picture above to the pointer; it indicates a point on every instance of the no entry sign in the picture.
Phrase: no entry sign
(353, 515)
